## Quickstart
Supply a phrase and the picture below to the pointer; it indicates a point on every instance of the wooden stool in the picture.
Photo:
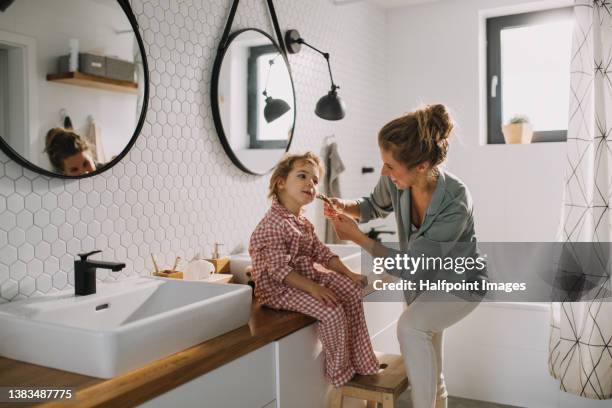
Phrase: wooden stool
(383, 387)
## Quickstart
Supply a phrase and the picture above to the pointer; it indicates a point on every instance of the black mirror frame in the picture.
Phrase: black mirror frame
(11, 153)
(214, 94)
(224, 43)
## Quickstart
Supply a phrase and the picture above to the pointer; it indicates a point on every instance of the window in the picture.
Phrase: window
(528, 72)
(272, 78)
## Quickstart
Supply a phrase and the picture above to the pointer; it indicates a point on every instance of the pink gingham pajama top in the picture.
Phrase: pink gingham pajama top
(283, 242)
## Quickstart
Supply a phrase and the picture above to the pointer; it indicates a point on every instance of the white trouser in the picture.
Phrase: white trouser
(420, 330)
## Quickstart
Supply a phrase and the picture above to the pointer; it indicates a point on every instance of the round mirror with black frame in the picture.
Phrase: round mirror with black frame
(253, 100)
(74, 84)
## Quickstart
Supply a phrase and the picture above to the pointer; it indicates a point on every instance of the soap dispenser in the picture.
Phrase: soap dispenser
(221, 263)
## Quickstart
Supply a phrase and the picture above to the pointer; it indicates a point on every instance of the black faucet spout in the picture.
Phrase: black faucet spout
(85, 273)
(113, 266)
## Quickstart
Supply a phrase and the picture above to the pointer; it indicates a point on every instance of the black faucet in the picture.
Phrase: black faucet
(374, 233)
(85, 273)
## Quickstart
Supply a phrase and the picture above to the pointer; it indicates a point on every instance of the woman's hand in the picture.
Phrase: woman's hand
(324, 295)
(346, 228)
(361, 280)
(336, 208)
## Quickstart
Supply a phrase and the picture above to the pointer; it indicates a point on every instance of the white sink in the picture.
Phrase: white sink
(125, 325)
(349, 254)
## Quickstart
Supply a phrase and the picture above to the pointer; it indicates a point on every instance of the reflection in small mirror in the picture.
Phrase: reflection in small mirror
(71, 83)
(256, 101)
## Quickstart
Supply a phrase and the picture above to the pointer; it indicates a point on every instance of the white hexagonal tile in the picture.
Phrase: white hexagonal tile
(66, 232)
(42, 250)
(34, 268)
(15, 203)
(51, 265)
(33, 202)
(43, 283)
(27, 286)
(16, 237)
(58, 248)
(17, 270)
(42, 218)
(34, 235)
(25, 219)
(50, 233)
(26, 252)
(4, 273)
(9, 289)
(8, 220)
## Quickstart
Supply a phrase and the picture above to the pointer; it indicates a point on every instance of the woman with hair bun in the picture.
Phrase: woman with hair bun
(434, 216)
(69, 153)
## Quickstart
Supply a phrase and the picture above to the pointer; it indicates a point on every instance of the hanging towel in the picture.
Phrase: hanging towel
(334, 166)
(94, 137)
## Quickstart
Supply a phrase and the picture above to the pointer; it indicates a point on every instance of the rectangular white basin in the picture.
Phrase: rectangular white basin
(125, 325)
(349, 254)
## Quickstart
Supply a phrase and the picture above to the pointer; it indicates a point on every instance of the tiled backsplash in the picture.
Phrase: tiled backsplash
(176, 192)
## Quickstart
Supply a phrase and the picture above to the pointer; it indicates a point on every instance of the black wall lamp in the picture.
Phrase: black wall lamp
(330, 106)
(275, 108)
(4, 4)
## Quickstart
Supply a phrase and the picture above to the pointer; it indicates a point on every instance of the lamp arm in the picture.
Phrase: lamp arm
(326, 56)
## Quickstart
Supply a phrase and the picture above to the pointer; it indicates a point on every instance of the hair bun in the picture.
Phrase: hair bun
(439, 122)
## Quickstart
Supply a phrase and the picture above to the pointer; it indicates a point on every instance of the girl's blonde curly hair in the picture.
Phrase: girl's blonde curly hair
(286, 164)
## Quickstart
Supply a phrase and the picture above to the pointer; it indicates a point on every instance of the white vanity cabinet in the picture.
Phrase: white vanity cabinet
(248, 382)
(287, 373)
(300, 383)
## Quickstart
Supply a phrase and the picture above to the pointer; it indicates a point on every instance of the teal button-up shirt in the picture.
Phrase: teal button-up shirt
(447, 229)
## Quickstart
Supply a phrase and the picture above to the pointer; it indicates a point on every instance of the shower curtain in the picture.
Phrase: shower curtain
(580, 348)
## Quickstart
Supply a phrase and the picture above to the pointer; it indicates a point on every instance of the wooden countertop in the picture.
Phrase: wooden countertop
(137, 386)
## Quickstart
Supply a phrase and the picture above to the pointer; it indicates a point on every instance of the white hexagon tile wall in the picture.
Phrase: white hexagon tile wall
(176, 192)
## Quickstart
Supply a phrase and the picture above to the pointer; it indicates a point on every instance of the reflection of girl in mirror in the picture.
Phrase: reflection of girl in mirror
(69, 153)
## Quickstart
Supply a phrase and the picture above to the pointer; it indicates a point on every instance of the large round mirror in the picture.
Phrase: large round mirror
(73, 84)
(253, 100)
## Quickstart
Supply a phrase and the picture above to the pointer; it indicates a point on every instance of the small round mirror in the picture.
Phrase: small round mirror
(253, 100)
(73, 84)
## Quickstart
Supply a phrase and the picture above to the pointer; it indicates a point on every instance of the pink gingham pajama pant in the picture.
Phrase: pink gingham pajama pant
(342, 328)
(282, 243)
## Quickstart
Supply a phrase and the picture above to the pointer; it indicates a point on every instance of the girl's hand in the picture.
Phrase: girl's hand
(324, 295)
(346, 228)
(361, 280)
(332, 211)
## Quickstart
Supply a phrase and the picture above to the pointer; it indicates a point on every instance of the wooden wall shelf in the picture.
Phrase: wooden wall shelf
(91, 81)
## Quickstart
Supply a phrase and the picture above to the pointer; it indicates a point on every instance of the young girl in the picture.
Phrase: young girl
(284, 248)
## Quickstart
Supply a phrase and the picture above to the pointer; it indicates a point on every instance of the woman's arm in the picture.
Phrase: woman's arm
(376, 205)
(441, 241)
(348, 230)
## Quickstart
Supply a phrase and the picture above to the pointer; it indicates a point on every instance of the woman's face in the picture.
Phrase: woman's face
(79, 164)
(300, 184)
(399, 174)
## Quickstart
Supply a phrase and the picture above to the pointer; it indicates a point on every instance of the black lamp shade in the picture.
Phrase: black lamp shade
(275, 108)
(331, 107)
(4, 4)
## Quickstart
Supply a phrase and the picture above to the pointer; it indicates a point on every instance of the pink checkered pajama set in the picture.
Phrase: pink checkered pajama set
(283, 242)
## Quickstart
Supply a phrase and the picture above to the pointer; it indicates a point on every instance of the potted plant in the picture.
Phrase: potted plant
(518, 130)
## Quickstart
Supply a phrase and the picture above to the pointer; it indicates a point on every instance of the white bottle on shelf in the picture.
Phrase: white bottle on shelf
(73, 63)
